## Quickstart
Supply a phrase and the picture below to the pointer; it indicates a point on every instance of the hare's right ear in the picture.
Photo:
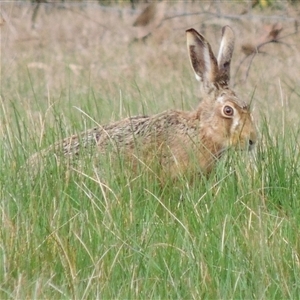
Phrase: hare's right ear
(202, 58)
(225, 55)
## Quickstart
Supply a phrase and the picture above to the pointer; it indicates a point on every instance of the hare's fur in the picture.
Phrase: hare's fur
(179, 140)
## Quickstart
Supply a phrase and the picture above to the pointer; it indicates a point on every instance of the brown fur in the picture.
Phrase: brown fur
(178, 140)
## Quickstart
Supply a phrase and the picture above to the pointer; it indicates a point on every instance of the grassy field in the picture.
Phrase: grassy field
(110, 234)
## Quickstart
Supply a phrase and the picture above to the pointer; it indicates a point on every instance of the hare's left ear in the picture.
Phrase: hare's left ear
(225, 55)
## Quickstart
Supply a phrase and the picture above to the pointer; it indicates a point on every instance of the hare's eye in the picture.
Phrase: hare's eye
(228, 111)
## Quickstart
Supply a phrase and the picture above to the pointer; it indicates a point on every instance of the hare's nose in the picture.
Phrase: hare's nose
(251, 144)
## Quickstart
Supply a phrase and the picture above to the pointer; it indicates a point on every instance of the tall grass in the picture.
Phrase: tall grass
(94, 229)
(101, 232)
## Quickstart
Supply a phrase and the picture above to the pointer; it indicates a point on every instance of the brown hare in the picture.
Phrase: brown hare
(178, 141)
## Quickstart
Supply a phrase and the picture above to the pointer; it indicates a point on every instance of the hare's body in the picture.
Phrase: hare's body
(178, 140)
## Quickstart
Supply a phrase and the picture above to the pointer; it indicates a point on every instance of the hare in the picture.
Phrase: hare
(178, 140)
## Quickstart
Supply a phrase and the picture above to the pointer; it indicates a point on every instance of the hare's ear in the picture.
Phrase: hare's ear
(225, 54)
(202, 58)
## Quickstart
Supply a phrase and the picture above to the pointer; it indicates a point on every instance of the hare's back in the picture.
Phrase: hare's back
(141, 131)
(146, 129)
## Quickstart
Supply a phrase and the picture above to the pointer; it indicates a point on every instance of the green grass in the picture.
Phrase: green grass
(105, 233)
(100, 231)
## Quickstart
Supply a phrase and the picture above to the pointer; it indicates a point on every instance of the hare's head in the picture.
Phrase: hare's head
(224, 117)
